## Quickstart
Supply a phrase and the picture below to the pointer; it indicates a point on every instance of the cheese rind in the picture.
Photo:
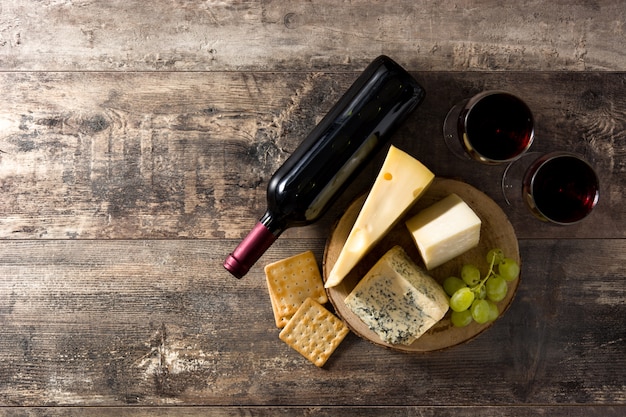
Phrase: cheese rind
(397, 300)
(400, 182)
(444, 230)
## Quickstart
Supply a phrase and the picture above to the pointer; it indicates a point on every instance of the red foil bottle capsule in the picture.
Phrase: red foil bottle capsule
(331, 156)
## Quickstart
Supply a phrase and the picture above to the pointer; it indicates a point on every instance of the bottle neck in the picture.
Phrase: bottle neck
(253, 246)
(275, 226)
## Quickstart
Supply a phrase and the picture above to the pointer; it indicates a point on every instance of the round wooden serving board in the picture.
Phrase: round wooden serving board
(496, 232)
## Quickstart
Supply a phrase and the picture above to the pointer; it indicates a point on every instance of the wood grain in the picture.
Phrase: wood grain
(160, 322)
(188, 155)
(135, 146)
(324, 411)
(251, 35)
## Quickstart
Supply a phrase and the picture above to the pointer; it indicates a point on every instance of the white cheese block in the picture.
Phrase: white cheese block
(444, 230)
(397, 300)
(400, 182)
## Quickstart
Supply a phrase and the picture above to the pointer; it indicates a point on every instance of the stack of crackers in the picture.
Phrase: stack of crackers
(297, 294)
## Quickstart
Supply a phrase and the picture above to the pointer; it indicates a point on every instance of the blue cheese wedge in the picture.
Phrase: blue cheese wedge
(444, 230)
(397, 300)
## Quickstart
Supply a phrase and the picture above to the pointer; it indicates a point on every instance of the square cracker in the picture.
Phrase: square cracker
(292, 280)
(314, 332)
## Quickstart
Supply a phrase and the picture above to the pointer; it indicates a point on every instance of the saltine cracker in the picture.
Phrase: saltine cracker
(292, 280)
(314, 332)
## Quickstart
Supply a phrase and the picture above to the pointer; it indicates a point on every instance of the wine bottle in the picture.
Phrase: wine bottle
(329, 158)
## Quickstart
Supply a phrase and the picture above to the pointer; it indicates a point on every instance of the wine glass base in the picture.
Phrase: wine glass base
(513, 177)
(451, 133)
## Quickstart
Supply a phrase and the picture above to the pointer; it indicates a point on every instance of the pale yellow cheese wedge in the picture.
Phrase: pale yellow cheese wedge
(444, 230)
(400, 182)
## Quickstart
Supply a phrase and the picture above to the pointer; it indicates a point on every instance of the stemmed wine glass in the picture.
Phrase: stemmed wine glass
(558, 187)
(492, 127)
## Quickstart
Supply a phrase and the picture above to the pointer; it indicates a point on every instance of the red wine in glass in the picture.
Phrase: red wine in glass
(561, 187)
(492, 127)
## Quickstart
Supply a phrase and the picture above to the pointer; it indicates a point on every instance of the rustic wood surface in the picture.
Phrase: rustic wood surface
(136, 142)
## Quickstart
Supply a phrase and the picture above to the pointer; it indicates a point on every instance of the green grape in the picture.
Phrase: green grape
(452, 284)
(480, 311)
(493, 311)
(461, 318)
(508, 269)
(470, 274)
(462, 299)
(495, 253)
(496, 288)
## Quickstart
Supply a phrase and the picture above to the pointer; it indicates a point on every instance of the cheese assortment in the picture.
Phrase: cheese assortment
(444, 230)
(401, 181)
(397, 300)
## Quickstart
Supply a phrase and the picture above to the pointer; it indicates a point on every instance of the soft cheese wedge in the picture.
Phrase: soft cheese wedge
(400, 182)
(397, 300)
(444, 230)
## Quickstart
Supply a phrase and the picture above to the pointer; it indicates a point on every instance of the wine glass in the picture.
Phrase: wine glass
(558, 187)
(492, 127)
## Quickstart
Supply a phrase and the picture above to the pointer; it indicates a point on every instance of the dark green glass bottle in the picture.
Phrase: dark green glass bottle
(325, 163)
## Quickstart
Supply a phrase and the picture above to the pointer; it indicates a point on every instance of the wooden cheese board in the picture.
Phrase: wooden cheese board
(496, 232)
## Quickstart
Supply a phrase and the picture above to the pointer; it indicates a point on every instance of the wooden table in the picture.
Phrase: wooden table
(136, 143)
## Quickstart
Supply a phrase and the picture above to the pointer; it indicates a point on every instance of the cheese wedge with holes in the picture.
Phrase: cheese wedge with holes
(397, 300)
(444, 230)
(400, 182)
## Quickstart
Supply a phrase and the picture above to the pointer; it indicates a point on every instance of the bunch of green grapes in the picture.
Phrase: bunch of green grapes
(473, 297)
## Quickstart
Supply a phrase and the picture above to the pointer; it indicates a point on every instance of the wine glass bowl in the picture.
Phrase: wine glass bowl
(561, 187)
(558, 187)
(492, 127)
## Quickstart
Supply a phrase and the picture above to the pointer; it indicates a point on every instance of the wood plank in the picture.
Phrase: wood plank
(422, 411)
(188, 155)
(270, 35)
(159, 322)
(135, 146)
